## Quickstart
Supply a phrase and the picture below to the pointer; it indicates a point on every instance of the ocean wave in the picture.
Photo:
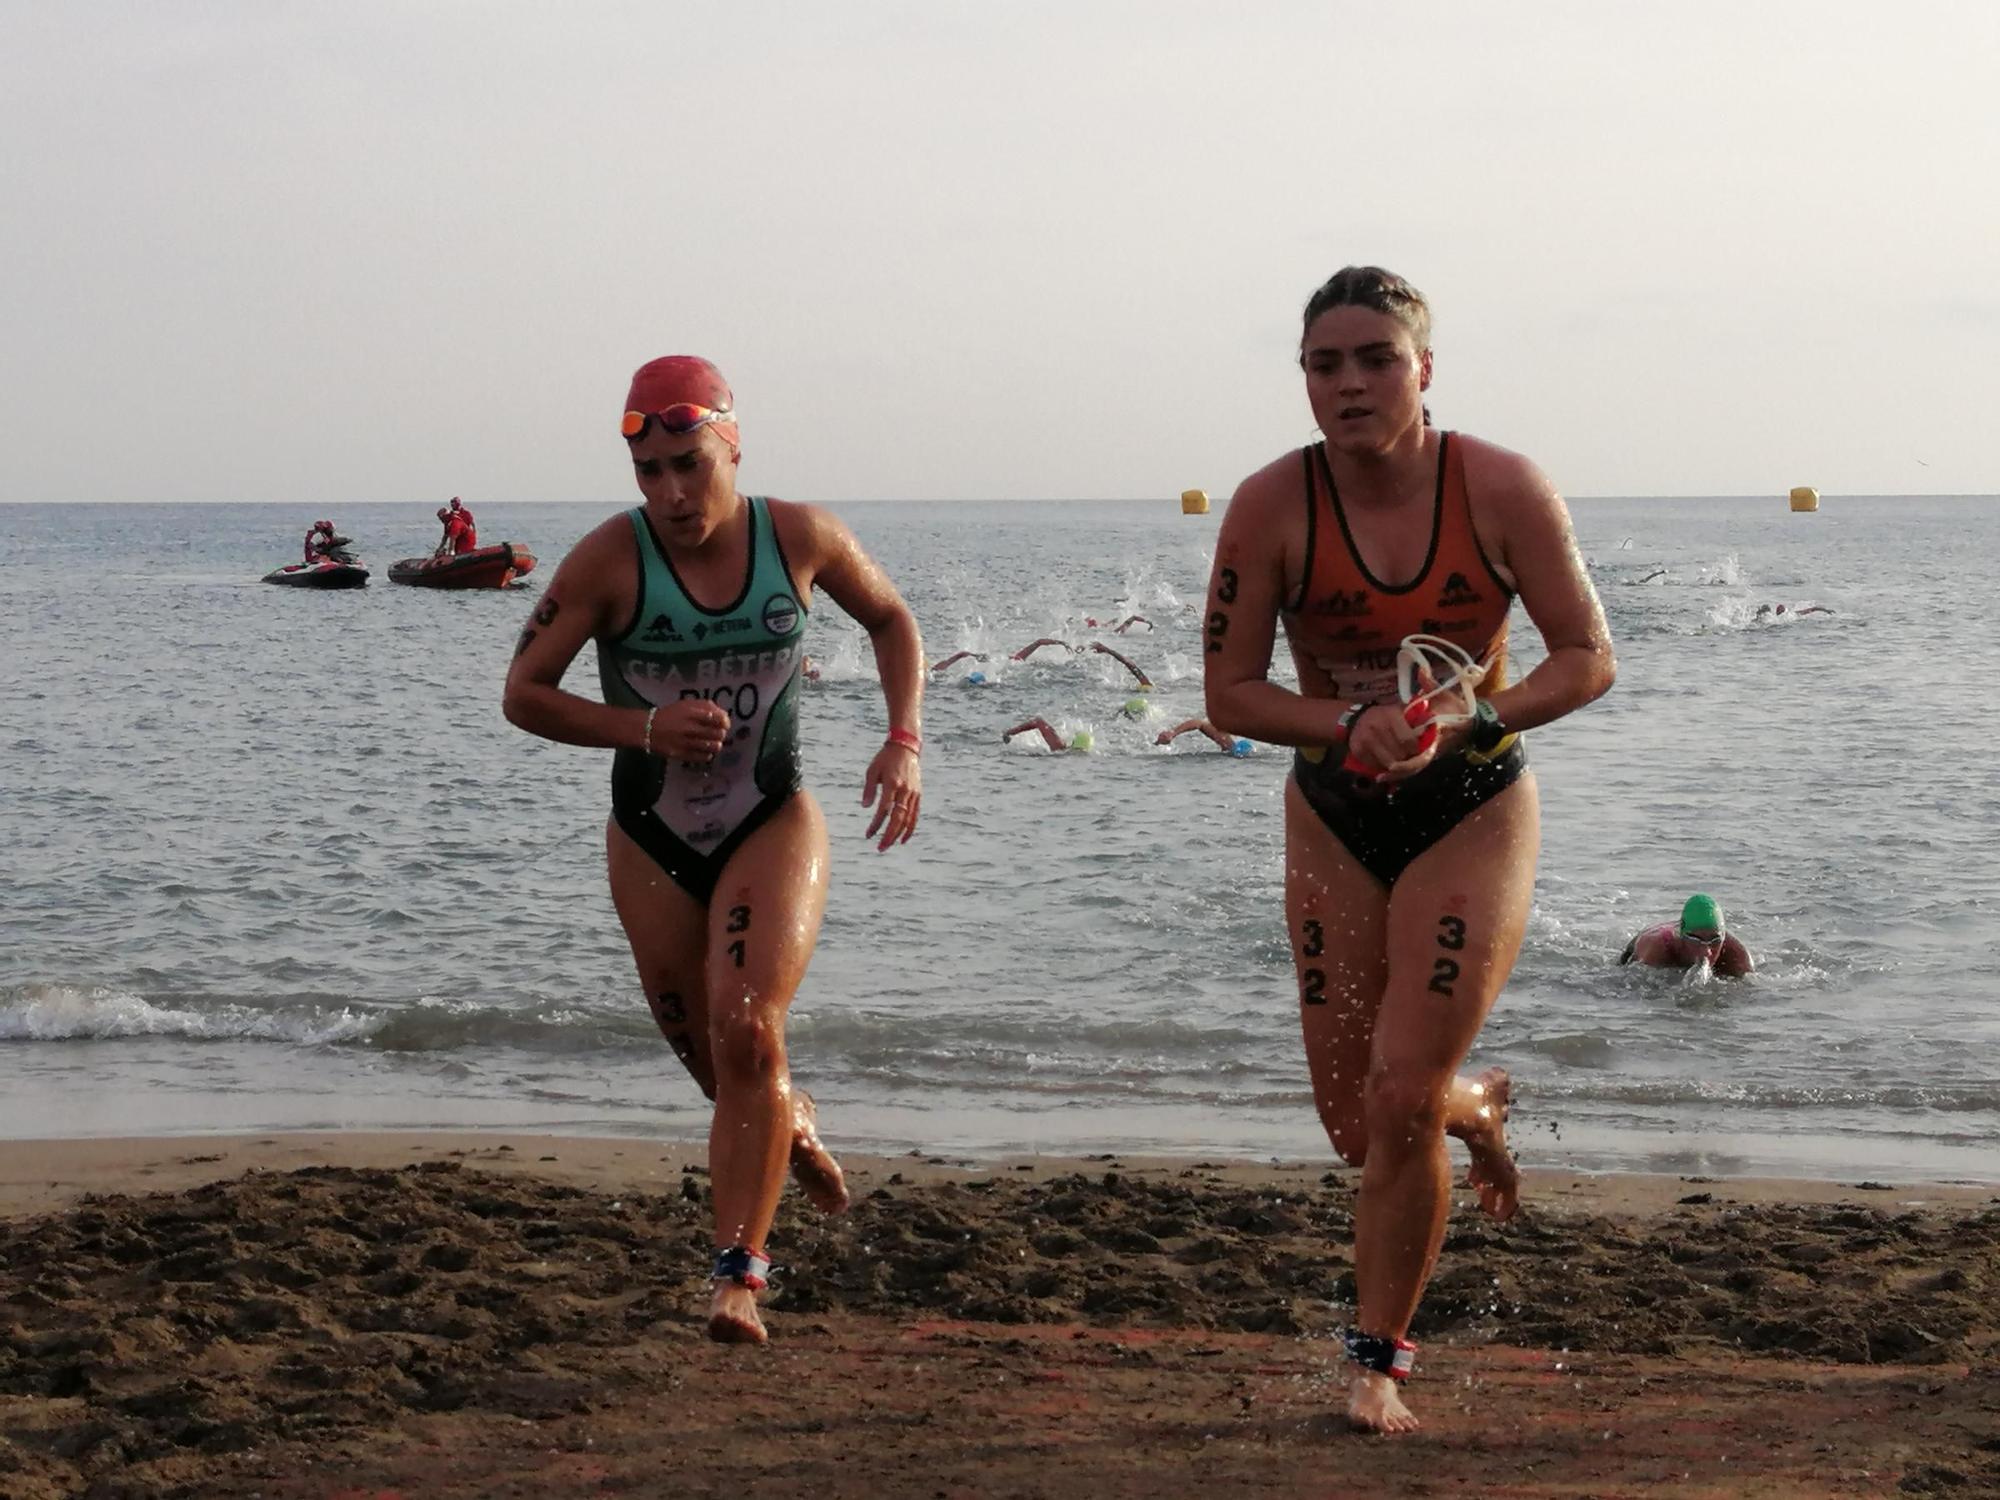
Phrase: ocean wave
(558, 1027)
(49, 1012)
(1972, 1096)
(53, 1012)
(1036, 1054)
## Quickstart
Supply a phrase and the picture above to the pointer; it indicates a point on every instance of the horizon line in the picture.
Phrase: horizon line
(1759, 498)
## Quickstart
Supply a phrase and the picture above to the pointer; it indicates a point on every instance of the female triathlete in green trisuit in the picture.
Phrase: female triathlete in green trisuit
(717, 853)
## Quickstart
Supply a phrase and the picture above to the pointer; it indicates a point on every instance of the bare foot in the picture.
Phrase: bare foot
(1375, 1405)
(813, 1167)
(732, 1315)
(1494, 1175)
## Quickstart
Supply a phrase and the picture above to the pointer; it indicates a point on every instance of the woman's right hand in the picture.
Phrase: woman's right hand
(689, 729)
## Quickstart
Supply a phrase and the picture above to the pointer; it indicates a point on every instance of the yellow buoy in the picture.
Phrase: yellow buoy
(1194, 502)
(1805, 497)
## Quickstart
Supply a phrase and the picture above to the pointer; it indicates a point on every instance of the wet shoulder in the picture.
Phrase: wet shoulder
(793, 520)
(600, 572)
(1506, 492)
(808, 535)
(1497, 476)
(1268, 524)
(1278, 484)
(612, 534)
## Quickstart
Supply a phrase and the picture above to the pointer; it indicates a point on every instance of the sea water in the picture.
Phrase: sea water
(274, 859)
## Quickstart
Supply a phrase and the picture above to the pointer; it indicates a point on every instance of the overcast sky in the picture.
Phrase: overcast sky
(386, 251)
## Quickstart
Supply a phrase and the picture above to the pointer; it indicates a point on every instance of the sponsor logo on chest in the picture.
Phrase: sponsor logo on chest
(706, 628)
(1458, 593)
(1341, 604)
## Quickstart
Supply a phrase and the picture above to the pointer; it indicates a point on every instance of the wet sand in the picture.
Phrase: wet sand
(372, 1316)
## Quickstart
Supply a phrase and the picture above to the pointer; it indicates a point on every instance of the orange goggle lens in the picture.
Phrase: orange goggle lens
(677, 420)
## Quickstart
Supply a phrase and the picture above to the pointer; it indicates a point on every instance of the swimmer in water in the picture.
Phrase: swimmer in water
(956, 657)
(1119, 629)
(717, 853)
(1698, 938)
(1408, 880)
(1227, 744)
(1083, 739)
(1766, 611)
(1145, 682)
(1033, 646)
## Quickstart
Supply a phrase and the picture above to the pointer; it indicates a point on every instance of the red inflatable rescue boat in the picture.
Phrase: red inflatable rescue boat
(482, 568)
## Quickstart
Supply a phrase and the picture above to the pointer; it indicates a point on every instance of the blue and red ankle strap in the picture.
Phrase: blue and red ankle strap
(1385, 1356)
(742, 1265)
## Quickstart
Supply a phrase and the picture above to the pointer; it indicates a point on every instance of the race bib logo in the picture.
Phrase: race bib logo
(781, 614)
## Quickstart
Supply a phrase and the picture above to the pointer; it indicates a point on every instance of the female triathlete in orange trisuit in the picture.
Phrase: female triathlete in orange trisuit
(1408, 880)
(718, 855)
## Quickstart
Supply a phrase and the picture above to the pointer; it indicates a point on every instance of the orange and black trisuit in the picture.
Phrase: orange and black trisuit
(1348, 623)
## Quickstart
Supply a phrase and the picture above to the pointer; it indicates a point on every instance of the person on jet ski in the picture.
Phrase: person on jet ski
(319, 541)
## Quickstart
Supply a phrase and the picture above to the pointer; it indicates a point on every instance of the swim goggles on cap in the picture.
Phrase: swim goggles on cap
(677, 420)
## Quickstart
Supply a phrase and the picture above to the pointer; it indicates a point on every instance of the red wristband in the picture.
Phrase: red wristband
(914, 743)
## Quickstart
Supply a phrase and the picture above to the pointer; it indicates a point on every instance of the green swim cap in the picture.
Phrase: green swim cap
(1701, 914)
(1083, 739)
(1136, 707)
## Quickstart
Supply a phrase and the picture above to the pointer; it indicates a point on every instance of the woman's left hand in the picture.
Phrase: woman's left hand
(1452, 737)
(895, 773)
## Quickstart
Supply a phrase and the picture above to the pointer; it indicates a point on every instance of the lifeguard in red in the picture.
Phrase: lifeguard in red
(460, 534)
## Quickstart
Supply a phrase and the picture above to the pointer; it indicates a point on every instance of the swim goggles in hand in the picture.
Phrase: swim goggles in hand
(1429, 666)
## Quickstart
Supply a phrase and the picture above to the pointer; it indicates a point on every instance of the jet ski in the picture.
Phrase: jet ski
(336, 568)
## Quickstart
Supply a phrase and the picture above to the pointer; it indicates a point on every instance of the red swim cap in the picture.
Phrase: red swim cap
(674, 378)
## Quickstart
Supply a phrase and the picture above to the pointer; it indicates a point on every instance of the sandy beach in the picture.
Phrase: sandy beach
(366, 1316)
